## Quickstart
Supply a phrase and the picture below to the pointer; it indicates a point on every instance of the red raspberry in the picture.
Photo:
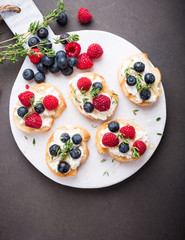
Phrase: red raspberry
(110, 140)
(128, 131)
(35, 59)
(84, 83)
(84, 15)
(50, 102)
(101, 103)
(94, 51)
(84, 61)
(33, 120)
(25, 98)
(141, 146)
(73, 49)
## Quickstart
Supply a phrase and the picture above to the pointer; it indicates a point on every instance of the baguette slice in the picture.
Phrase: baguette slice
(155, 90)
(41, 88)
(103, 150)
(85, 137)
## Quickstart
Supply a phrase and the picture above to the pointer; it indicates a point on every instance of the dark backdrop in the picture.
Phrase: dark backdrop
(148, 205)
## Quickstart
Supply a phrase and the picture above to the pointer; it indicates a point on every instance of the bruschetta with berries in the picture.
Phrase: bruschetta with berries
(123, 139)
(139, 79)
(38, 107)
(91, 96)
(66, 150)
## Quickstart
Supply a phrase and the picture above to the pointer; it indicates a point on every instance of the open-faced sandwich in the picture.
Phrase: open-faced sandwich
(123, 139)
(90, 95)
(139, 79)
(37, 108)
(66, 150)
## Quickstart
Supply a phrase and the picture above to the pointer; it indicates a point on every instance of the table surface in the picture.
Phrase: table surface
(148, 205)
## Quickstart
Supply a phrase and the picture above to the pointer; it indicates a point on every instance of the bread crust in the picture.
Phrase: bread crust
(85, 138)
(105, 90)
(57, 113)
(104, 150)
(154, 70)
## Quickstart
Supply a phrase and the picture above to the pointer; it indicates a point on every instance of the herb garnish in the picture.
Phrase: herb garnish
(103, 160)
(77, 100)
(32, 100)
(64, 152)
(34, 142)
(115, 101)
(126, 140)
(94, 92)
(26, 137)
(120, 135)
(83, 91)
(94, 126)
(106, 173)
(135, 152)
(158, 119)
(85, 100)
(135, 111)
(39, 101)
(113, 160)
(160, 134)
(27, 114)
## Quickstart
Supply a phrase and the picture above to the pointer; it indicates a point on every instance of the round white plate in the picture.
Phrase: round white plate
(91, 174)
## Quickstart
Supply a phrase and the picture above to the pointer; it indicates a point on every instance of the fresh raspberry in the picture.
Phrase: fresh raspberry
(84, 15)
(73, 49)
(33, 120)
(25, 98)
(50, 102)
(128, 131)
(141, 146)
(101, 103)
(35, 59)
(110, 140)
(84, 61)
(94, 51)
(84, 83)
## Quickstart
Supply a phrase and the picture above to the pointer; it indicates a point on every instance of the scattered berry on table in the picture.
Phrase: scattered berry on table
(113, 126)
(41, 67)
(27, 86)
(62, 62)
(64, 36)
(94, 51)
(35, 59)
(33, 120)
(84, 83)
(139, 67)
(28, 74)
(110, 140)
(76, 138)
(50, 102)
(64, 137)
(124, 147)
(25, 98)
(75, 152)
(67, 71)
(84, 15)
(63, 167)
(54, 149)
(33, 41)
(149, 78)
(22, 111)
(101, 103)
(128, 131)
(131, 81)
(39, 108)
(84, 61)
(42, 33)
(62, 19)
(98, 85)
(72, 61)
(88, 107)
(47, 61)
(54, 68)
(39, 77)
(61, 54)
(141, 146)
(73, 49)
(145, 94)
(48, 44)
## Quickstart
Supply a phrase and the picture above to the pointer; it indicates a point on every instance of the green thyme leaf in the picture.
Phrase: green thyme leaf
(106, 173)
(85, 100)
(26, 137)
(83, 91)
(160, 134)
(158, 119)
(126, 140)
(94, 126)
(75, 91)
(135, 111)
(135, 152)
(27, 114)
(94, 92)
(77, 100)
(38, 102)
(113, 160)
(120, 135)
(34, 142)
(32, 100)
(103, 160)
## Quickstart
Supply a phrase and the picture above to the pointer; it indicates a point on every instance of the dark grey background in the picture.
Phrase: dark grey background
(150, 204)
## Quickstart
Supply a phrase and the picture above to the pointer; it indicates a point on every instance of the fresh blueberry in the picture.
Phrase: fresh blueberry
(42, 33)
(41, 68)
(98, 85)
(62, 62)
(139, 67)
(22, 111)
(54, 149)
(88, 107)
(64, 36)
(33, 41)
(72, 61)
(67, 71)
(145, 94)
(39, 108)
(149, 78)
(61, 54)
(39, 77)
(62, 19)
(48, 44)
(28, 74)
(54, 68)
(75, 153)
(63, 167)
(47, 61)
(64, 137)
(131, 81)
(113, 126)
(123, 147)
(76, 138)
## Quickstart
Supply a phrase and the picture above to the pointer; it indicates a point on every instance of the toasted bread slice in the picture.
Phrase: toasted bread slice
(68, 129)
(104, 128)
(149, 68)
(76, 96)
(41, 89)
